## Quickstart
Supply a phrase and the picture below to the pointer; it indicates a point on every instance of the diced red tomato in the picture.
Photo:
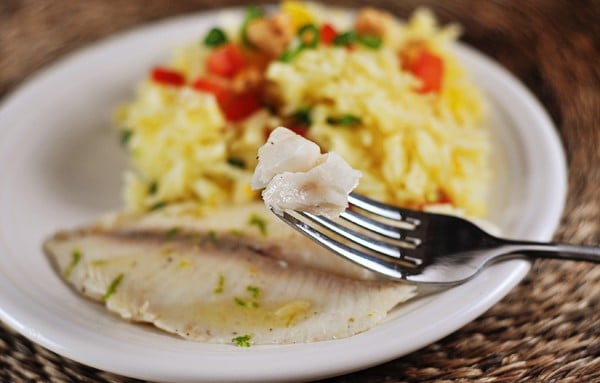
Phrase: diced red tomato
(444, 198)
(235, 106)
(429, 68)
(240, 106)
(219, 90)
(327, 33)
(167, 76)
(226, 61)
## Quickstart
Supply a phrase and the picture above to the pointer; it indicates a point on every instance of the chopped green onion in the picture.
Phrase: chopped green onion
(302, 116)
(158, 205)
(346, 38)
(250, 304)
(215, 37)
(260, 222)
(370, 41)
(220, 285)
(242, 341)
(153, 187)
(255, 291)
(252, 13)
(344, 120)
(112, 287)
(126, 136)
(309, 36)
(236, 162)
(290, 54)
(75, 258)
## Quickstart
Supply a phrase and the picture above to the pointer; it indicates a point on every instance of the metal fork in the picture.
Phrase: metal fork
(419, 247)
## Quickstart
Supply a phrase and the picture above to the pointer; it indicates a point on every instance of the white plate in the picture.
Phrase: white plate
(61, 166)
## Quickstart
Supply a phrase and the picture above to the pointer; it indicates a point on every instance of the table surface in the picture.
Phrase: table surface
(548, 327)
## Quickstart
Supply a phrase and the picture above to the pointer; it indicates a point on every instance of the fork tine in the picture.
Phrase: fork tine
(356, 237)
(382, 209)
(381, 228)
(387, 268)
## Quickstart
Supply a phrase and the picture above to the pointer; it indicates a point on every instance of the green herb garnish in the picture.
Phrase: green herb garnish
(259, 222)
(302, 116)
(158, 205)
(290, 54)
(345, 39)
(112, 287)
(126, 136)
(254, 291)
(344, 120)
(370, 41)
(236, 162)
(215, 37)
(247, 303)
(153, 187)
(309, 36)
(75, 258)
(242, 341)
(220, 285)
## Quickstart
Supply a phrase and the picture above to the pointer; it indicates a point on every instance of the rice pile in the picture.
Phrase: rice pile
(414, 149)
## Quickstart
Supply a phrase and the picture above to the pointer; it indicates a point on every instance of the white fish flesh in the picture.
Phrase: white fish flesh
(303, 179)
(322, 190)
(283, 151)
(250, 223)
(207, 282)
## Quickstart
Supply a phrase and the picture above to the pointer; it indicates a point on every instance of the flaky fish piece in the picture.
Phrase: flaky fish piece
(296, 176)
(221, 280)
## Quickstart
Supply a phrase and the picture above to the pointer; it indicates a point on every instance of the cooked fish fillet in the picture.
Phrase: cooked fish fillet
(283, 151)
(295, 176)
(252, 224)
(216, 285)
(322, 190)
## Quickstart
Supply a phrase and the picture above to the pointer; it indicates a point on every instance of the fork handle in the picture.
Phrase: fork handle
(557, 251)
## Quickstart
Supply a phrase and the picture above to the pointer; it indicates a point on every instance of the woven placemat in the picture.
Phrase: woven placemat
(548, 328)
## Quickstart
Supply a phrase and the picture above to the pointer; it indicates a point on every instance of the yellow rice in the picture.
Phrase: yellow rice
(409, 146)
